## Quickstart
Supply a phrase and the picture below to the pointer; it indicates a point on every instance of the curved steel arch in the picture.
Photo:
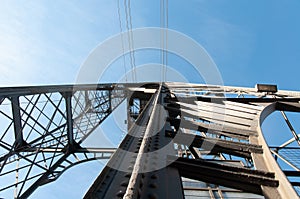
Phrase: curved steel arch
(285, 188)
(97, 154)
(41, 126)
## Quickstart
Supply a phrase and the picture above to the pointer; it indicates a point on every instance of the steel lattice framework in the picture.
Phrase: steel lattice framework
(42, 129)
(211, 136)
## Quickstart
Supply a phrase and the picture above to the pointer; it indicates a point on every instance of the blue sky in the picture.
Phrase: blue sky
(46, 42)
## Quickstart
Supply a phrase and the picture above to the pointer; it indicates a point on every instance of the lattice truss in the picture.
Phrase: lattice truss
(215, 131)
(41, 129)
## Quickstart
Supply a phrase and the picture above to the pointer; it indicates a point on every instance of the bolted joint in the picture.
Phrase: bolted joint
(69, 149)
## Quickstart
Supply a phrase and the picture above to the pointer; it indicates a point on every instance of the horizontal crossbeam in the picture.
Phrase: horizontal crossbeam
(233, 177)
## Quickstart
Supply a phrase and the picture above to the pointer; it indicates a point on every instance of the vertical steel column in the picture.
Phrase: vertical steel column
(15, 104)
(110, 98)
(69, 119)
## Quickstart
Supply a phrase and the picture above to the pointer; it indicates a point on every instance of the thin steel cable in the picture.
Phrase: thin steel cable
(164, 23)
(167, 26)
(291, 155)
(132, 39)
(129, 39)
(286, 119)
(162, 37)
(122, 40)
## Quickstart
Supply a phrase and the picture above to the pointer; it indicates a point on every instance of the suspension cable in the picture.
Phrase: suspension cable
(164, 23)
(122, 40)
(162, 20)
(129, 38)
(167, 26)
(132, 40)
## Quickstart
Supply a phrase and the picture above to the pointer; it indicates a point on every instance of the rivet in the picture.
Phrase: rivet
(154, 176)
(120, 193)
(153, 185)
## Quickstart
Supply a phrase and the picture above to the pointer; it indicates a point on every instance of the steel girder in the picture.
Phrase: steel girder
(236, 114)
(133, 171)
(215, 134)
(212, 133)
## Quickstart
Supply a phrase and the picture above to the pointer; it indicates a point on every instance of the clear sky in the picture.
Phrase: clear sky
(46, 42)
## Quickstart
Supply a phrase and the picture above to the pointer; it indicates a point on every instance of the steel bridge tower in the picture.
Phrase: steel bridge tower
(184, 140)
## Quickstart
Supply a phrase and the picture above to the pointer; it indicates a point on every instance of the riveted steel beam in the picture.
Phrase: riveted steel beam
(180, 116)
(234, 177)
